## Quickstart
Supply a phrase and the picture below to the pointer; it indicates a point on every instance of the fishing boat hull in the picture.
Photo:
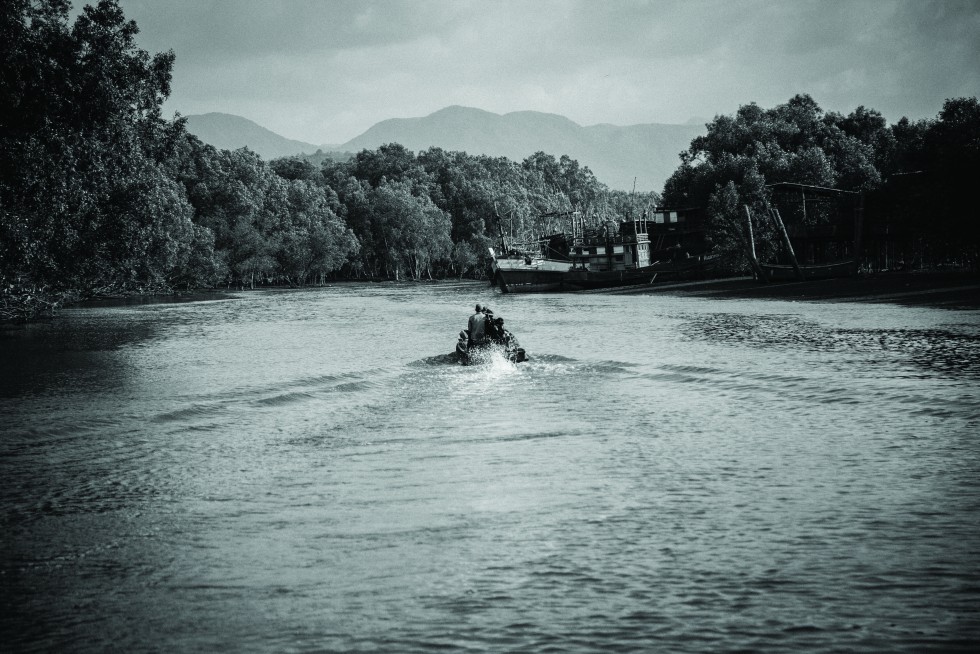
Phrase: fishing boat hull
(528, 274)
(529, 280)
(552, 281)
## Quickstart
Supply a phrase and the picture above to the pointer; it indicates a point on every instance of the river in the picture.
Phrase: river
(297, 471)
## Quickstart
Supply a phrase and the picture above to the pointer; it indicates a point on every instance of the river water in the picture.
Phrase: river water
(303, 471)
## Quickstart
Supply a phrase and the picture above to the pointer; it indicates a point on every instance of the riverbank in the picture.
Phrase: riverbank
(24, 304)
(953, 290)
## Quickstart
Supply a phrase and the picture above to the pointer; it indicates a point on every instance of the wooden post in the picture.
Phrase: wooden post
(752, 258)
(858, 233)
(789, 246)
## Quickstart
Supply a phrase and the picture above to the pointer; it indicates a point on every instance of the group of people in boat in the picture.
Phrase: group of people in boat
(484, 329)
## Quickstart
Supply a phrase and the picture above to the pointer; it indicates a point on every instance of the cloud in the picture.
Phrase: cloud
(325, 71)
(227, 29)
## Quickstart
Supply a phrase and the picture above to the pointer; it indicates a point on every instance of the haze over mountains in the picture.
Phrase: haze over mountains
(230, 132)
(617, 155)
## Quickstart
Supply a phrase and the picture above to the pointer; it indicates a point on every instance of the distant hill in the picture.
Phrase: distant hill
(229, 132)
(615, 154)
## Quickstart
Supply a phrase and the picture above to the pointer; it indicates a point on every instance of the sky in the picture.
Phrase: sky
(323, 71)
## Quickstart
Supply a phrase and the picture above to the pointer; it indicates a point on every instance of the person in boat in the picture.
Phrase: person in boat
(477, 328)
(462, 345)
(492, 331)
(504, 336)
(512, 348)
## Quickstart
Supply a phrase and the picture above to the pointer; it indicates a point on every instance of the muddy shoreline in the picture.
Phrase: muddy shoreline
(953, 290)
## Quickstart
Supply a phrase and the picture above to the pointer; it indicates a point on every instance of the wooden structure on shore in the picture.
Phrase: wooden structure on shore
(819, 245)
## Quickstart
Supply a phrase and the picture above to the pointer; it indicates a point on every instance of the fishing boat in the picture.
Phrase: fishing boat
(665, 246)
(808, 272)
(837, 238)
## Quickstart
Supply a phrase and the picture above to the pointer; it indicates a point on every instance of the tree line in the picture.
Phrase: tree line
(100, 192)
(915, 176)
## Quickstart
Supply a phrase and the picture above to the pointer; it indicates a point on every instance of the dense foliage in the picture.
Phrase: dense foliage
(100, 193)
(84, 191)
(914, 175)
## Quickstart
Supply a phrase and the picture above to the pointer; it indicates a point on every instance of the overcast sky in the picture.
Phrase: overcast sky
(323, 71)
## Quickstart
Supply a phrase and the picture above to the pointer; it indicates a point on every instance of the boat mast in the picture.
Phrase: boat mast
(500, 229)
(633, 206)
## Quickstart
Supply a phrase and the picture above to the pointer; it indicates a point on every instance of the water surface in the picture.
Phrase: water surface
(303, 471)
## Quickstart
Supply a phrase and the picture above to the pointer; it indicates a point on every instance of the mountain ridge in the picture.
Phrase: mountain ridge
(230, 132)
(646, 152)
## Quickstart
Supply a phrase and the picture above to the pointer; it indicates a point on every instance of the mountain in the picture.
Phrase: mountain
(615, 154)
(229, 132)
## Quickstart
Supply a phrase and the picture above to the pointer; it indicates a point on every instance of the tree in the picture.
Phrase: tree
(952, 160)
(410, 233)
(731, 165)
(393, 162)
(312, 240)
(86, 197)
(294, 168)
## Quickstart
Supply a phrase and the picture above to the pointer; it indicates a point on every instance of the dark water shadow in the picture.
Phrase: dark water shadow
(946, 352)
(70, 353)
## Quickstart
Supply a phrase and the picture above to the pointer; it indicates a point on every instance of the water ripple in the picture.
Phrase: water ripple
(732, 476)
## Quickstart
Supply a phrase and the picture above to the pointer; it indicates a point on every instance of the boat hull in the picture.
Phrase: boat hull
(529, 280)
(481, 354)
(550, 281)
(779, 273)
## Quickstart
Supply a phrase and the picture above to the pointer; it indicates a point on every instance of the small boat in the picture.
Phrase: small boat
(501, 342)
(775, 272)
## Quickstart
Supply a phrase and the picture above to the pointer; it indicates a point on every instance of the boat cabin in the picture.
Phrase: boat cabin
(611, 246)
(677, 232)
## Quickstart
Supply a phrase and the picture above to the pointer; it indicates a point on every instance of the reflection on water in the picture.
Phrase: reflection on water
(305, 471)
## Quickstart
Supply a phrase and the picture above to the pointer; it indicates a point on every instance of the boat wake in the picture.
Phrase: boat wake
(478, 357)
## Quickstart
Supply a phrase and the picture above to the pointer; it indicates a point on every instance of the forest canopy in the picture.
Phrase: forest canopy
(99, 192)
(914, 175)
